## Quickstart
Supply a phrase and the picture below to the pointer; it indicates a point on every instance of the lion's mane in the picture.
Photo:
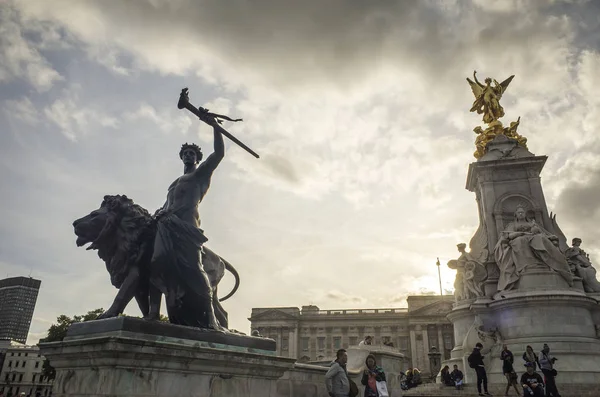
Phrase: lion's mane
(126, 237)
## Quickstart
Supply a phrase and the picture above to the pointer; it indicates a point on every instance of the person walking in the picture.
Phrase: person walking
(508, 370)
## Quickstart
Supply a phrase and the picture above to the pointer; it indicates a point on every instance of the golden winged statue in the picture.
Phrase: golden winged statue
(487, 97)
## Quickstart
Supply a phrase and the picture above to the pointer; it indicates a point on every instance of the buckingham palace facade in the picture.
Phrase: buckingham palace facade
(312, 334)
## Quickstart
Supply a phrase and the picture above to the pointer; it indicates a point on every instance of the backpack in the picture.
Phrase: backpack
(471, 361)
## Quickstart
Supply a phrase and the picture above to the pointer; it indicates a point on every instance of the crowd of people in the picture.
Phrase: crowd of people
(531, 384)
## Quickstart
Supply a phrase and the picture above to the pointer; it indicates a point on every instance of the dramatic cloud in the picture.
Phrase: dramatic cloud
(19, 58)
(359, 111)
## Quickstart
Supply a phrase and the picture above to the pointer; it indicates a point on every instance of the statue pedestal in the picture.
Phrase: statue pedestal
(565, 320)
(539, 278)
(127, 357)
(541, 307)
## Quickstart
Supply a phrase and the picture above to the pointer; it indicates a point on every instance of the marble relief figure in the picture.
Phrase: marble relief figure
(470, 273)
(523, 244)
(582, 266)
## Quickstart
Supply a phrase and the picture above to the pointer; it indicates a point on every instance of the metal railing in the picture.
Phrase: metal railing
(353, 311)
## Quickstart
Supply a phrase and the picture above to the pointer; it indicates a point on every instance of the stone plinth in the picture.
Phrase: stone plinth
(108, 358)
(128, 357)
(132, 327)
(561, 319)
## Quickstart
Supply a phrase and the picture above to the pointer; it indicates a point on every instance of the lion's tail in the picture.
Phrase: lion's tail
(229, 267)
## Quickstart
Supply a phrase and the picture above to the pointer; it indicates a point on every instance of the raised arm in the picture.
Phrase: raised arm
(211, 163)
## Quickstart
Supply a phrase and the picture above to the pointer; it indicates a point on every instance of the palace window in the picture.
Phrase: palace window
(304, 342)
(321, 343)
(448, 341)
(285, 344)
(337, 342)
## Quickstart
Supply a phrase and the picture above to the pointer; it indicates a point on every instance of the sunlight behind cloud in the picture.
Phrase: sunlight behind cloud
(359, 110)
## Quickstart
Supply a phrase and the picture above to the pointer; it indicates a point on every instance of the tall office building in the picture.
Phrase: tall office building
(18, 296)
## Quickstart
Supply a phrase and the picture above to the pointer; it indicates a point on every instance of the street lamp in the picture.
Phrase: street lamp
(439, 275)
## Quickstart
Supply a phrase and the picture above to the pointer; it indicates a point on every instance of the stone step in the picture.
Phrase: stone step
(470, 390)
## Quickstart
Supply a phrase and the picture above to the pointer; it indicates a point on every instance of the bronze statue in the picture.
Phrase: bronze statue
(487, 97)
(483, 138)
(487, 102)
(150, 256)
(512, 133)
(210, 118)
(123, 233)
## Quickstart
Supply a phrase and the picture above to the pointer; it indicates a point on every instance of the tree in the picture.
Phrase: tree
(58, 331)
(161, 317)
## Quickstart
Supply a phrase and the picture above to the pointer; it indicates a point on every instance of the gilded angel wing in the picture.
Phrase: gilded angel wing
(503, 86)
(476, 88)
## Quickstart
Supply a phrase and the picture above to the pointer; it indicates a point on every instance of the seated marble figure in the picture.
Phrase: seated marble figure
(582, 266)
(525, 244)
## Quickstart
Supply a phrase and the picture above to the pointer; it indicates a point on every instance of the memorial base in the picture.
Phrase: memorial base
(114, 358)
(563, 319)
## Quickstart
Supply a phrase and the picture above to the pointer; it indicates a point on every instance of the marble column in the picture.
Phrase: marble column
(293, 342)
(312, 343)
(377, 332)
(441, 340)
(424, 357)
(345, 340)
(329, 351)
(413, 347)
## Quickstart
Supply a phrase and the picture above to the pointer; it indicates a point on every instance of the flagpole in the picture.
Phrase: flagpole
(439, 275)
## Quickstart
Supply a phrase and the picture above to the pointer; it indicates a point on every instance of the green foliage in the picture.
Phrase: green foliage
(58, 331)
(162, 317)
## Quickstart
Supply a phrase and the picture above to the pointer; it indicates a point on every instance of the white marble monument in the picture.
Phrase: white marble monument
(520, 284)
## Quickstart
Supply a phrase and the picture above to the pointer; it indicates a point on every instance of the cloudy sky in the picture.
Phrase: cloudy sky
(359, 111)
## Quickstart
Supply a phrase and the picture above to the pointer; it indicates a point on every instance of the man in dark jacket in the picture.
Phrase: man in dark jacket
(457, 376)
(476, 362)
(533, 384)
